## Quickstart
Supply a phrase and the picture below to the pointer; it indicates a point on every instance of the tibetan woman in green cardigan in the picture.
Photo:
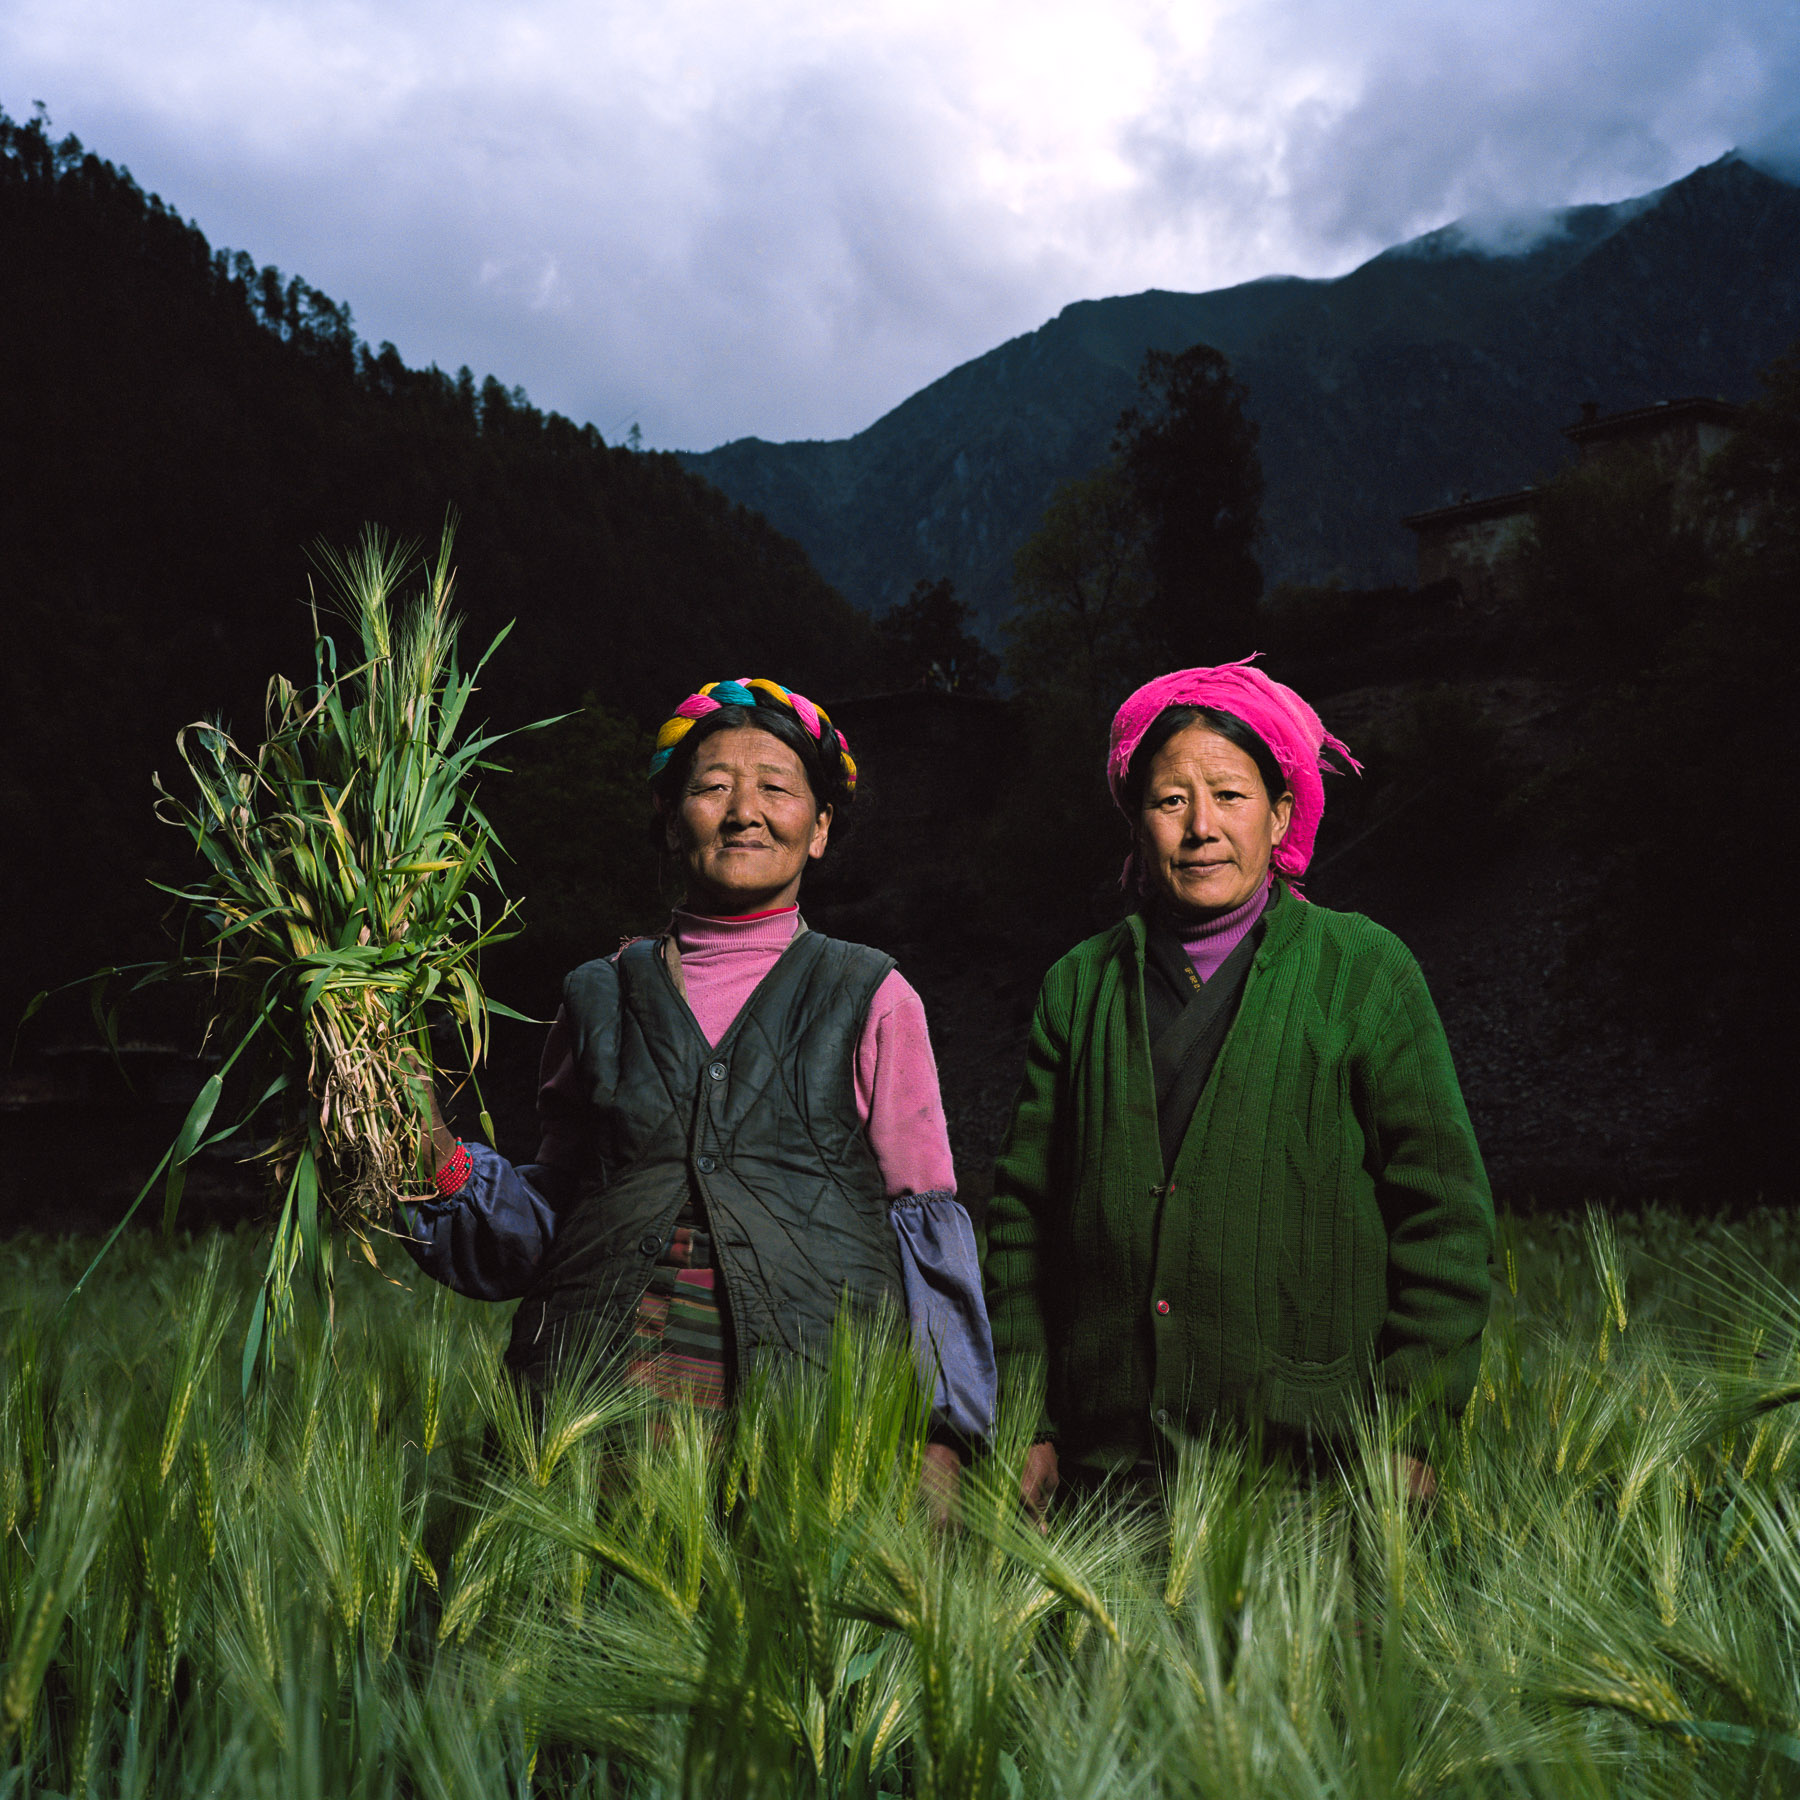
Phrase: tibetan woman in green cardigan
(1240, 1182)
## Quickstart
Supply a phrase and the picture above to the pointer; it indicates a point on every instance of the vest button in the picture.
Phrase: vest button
(649, 1243)
(1162, 1306)
(716, 1071)
(706, 1164)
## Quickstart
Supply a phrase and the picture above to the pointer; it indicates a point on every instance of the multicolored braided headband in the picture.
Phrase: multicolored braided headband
(750, 692)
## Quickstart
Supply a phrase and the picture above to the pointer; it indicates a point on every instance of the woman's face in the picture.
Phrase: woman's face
(746, 824)
(1207, 828)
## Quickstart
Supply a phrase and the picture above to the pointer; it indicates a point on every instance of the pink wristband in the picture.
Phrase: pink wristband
(451, 1176)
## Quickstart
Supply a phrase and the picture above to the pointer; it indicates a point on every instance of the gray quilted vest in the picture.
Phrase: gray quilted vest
(762, 1128)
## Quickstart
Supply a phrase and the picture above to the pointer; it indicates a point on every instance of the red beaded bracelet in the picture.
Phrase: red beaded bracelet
(450, 1178)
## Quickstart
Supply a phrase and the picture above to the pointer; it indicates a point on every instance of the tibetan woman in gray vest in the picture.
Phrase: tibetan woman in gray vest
(740, 1118)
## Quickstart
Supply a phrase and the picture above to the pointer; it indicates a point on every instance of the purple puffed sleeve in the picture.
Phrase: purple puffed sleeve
(951, 1337)
(487, 1239)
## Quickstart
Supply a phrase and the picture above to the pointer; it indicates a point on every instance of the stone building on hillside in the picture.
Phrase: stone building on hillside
(1475, 543)
(1679, 434)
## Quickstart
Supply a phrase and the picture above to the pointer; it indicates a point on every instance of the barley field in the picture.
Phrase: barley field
(381, 1575)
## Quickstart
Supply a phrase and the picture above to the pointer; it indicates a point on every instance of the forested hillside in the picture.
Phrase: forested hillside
(1438, 367)
(177, 427)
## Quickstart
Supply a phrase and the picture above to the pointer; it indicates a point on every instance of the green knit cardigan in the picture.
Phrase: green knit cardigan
(1326, 1228)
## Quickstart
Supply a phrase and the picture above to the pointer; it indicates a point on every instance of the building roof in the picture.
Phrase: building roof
(1592, 428)
(1468, 512)
(1700, 409)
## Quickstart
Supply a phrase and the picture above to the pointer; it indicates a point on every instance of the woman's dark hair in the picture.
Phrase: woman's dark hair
(824, 769)
(1174, 719)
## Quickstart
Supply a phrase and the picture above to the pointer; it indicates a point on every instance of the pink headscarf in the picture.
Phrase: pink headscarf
(1291, 729)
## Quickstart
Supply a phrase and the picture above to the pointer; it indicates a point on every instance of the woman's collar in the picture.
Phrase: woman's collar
(773, 912)
(744, 931)
(1282, 908)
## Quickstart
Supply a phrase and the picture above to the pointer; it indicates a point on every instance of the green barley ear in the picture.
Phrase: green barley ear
(1608, 1266)
(430, 1367)
(69, 1534)
(29, 1406)
(202, 1320)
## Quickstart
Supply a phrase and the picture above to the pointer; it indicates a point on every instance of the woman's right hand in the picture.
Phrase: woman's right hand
(1037, 1481)
(443, 1139)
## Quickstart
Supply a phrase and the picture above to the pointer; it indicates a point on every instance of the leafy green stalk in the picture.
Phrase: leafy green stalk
(338, 896)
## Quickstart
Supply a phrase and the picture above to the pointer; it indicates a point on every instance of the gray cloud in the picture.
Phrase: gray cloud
(781, 218)
(1429, 112)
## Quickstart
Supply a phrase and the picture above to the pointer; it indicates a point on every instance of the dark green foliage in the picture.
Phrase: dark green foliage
(1142, 565)
(1305, 619)
(1688, 787)
(1187, 451)
(1612, 565)
(1054, 843)
(574, 811)
(1081, 590)
(927, 643)
(1435, 784)
(1146, 563)
(177, 425)
(1329, 638)
(1078, 641)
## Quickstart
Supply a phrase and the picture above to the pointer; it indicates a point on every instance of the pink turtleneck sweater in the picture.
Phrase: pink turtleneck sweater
(722, 960)
(1212, 940)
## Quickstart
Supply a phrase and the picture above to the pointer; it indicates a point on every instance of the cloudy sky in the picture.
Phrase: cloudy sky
(721, 218)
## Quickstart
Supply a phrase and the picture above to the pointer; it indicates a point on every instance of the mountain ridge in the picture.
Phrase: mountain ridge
(1460, 360)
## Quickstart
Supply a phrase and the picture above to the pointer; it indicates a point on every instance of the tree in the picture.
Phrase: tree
(1081, 587)
(1188, 454)
(927, 641)
(570, 814)
(1075, 647)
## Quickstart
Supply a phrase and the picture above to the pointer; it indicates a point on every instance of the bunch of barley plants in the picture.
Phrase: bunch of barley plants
(338, 896)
